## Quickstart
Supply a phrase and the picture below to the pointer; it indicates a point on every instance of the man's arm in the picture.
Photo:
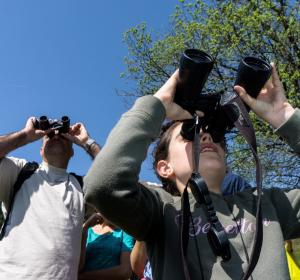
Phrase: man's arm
(18, 139)
(10, 167)
(92, 149)
(111, 184)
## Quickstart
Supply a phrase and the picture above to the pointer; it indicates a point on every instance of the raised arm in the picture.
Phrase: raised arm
(20, 138)
(111, 184)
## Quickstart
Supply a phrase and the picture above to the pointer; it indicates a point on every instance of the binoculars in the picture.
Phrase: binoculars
(61, 126)
(195, 66)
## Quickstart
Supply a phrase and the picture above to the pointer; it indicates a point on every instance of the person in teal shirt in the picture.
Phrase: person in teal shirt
(105, 251)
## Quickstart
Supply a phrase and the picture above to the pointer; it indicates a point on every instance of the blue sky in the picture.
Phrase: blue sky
(65, 58)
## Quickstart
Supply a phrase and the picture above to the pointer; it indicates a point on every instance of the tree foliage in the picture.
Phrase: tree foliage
(228, 30)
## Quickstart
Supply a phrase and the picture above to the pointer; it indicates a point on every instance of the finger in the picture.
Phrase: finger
(200, 113)
(76, 127)
(40, 133)
(171, 82)
(82, 129)
(48, 131)
(32, 119)
(177, 113)
(244, 96)
(268, 86)
(185, 115)
(31, 122)
(175, 75)
(275, 78)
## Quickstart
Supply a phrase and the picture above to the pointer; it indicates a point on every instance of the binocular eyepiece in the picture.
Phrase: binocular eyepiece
(194, 68)
(61, 126)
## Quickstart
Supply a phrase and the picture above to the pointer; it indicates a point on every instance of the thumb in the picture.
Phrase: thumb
(244, 96)
(275, 78)
(38, 134)
(184, 114)
(175, 112)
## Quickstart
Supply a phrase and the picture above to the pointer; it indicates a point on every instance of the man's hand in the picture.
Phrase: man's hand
(271, 104)
(77, 134)
(20, 138)
(33, 134)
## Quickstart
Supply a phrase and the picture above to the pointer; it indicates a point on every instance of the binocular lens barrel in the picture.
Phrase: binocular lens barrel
(44, 123)
(65, 120)
(252, 74)
(65, 124)
(61, 126)
(195, 66)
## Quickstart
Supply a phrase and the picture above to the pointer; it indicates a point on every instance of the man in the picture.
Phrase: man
(42, 237)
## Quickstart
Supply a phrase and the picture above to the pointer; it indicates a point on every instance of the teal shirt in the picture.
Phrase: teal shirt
(104, 250)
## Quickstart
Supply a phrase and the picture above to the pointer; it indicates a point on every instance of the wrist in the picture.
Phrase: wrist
(283, 116)
(88, 144)
(26, 135)
(164, 100)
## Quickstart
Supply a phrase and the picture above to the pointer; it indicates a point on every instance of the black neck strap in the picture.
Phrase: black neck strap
(245, 127)
(217, 237)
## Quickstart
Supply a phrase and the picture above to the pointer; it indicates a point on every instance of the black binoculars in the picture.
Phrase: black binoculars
(61, 126)
(195, 66)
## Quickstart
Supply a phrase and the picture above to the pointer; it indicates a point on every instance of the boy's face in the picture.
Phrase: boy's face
(212, 156)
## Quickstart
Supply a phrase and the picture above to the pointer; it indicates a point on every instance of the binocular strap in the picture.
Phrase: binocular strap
(217, 237)
(245, 127)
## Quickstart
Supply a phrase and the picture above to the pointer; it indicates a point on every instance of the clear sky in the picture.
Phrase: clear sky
(64, 57)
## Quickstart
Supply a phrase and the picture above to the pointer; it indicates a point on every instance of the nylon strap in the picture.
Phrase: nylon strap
(245, 127)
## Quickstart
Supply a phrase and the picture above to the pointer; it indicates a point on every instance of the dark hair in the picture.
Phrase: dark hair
(161, 152)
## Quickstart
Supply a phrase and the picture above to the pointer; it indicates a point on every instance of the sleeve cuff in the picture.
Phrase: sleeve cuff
(290, 131)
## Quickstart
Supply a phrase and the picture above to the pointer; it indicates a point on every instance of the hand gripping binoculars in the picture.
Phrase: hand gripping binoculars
(59, 126)
(195, 66)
